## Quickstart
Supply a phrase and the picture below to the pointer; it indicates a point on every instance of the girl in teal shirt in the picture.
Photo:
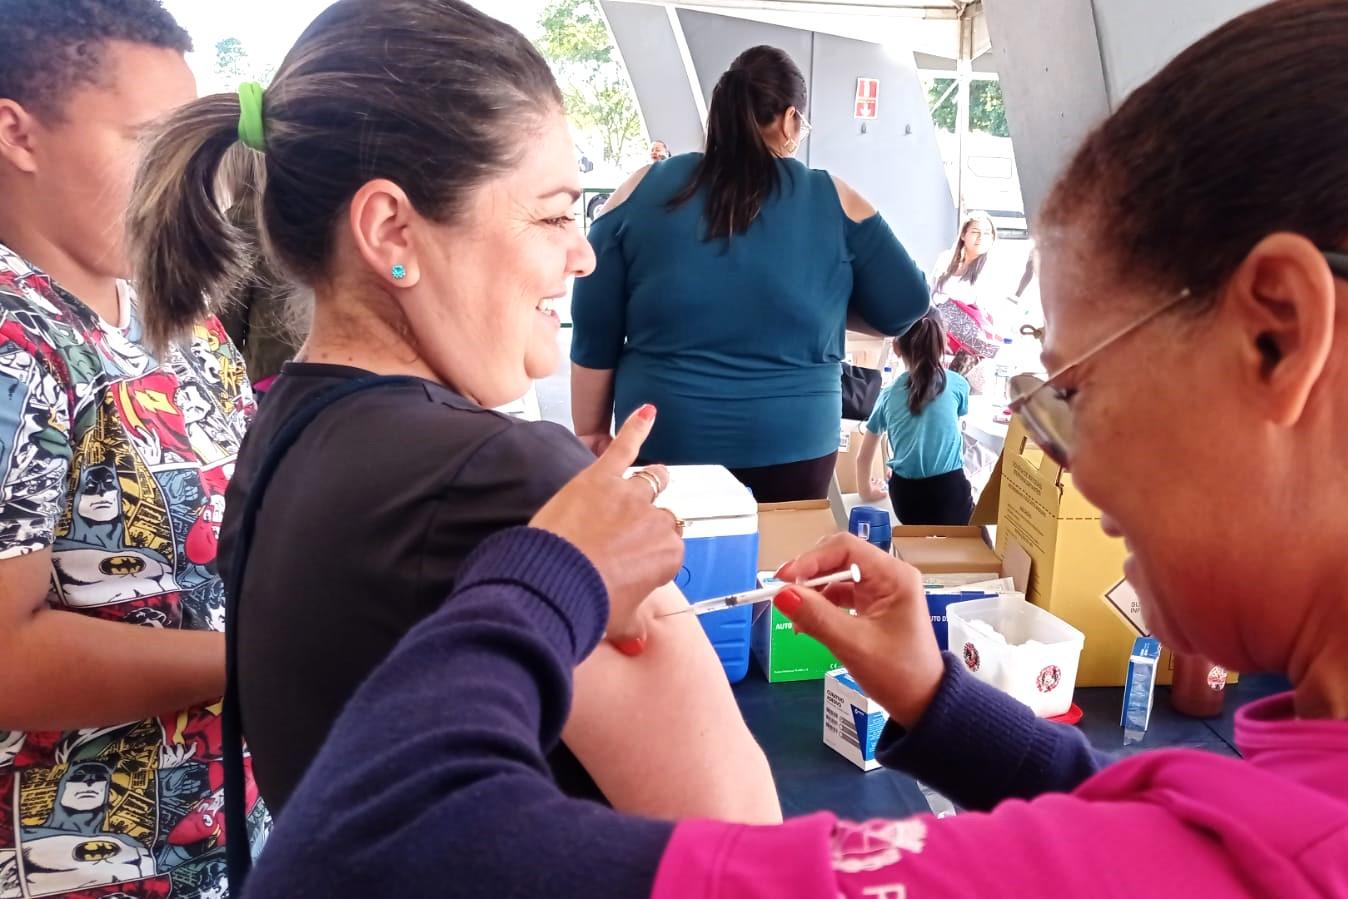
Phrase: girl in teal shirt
(921, 415)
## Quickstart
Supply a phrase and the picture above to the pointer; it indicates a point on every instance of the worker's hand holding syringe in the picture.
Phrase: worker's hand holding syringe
(888, 646)
(764, 594)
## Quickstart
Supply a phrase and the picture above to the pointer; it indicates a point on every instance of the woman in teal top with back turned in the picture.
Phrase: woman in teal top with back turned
(724, 284)
(921, 414)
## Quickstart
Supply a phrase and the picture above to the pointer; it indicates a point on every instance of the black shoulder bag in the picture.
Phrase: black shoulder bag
(238, 856)
(860, 391)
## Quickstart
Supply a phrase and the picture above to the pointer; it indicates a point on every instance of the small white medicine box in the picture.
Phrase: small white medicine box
(852, 720)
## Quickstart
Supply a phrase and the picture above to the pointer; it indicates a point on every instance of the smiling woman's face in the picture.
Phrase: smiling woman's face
(484, 318)
(978, 237)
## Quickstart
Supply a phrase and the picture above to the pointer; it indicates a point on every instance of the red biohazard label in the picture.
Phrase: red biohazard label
(1049, 679)
(971, 659)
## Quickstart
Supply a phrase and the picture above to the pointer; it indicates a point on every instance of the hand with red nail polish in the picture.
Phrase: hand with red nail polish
(888, 645)
(635, 547)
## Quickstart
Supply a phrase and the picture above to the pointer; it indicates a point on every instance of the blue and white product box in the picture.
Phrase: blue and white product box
(852, 720)
(1139, 688)
(720, 538)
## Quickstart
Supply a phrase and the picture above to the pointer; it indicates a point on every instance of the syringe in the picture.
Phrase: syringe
(764, 594)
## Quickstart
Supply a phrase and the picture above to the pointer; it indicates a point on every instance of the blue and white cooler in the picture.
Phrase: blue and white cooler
(720, 538)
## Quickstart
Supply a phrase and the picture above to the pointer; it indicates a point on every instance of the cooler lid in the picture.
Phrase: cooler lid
(698, 492)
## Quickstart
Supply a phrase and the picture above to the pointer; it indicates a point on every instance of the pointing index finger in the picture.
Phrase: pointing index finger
(623, 452)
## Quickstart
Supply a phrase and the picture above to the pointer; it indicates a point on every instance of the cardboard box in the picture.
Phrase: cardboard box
(1073, 562)
(866, 351)
(846, 468)
(1076, 571)
(785, 531)
(946, 550)
(951, 558)
(852, 720)
(1124, 602)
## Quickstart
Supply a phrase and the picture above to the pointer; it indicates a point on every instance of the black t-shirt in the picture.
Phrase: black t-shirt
(360, 536)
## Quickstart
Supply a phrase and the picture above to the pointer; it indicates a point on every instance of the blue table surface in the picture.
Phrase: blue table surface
(787, 719)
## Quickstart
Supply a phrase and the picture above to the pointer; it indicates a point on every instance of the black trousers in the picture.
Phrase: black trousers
(791, 481)
(945, 499)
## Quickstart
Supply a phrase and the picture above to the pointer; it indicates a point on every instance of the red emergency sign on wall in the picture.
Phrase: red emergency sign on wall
(868, 98)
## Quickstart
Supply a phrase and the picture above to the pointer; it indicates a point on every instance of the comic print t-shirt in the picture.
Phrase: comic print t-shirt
(118, 462)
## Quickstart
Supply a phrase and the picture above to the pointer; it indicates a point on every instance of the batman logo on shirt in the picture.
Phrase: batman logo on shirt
(96, 851)
(122, 566)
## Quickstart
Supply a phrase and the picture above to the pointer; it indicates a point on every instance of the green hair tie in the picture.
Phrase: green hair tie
(251, 133)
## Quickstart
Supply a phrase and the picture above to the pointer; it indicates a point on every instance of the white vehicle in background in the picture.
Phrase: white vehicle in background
(991, 180)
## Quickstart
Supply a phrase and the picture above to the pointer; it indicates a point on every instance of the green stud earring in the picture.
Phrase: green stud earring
(399, 272)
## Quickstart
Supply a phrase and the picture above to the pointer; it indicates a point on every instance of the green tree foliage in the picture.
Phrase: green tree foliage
(598, 96)
(987, 112)
(230, 57)
(233, 64)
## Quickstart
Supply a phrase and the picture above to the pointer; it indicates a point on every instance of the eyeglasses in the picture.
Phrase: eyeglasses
(1046, 414)
(805, 127)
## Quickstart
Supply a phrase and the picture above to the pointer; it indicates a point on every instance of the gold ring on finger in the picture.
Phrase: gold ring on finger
(652, 481)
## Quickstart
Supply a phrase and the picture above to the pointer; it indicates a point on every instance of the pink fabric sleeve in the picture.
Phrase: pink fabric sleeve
(1056, 846)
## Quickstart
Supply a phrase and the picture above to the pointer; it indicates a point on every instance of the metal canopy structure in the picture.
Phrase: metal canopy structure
(946, 35)
(930, 27)
(1063, 64)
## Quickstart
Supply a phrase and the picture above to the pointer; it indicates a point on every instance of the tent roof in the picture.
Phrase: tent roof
(930, 27)
(938, 8)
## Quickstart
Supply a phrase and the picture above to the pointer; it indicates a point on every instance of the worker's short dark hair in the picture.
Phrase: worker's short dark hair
(50, 47)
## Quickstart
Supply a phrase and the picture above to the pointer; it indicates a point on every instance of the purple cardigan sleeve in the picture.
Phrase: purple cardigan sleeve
(437, 763)
(979, 746)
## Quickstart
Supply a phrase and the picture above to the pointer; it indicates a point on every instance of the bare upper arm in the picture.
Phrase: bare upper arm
(625, 190)
(25, 582)
(661, 734)
(854, 205)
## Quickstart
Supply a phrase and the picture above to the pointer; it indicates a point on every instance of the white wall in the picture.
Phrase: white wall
(894, 161)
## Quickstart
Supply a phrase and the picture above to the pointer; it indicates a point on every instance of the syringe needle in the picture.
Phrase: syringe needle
(764, 594)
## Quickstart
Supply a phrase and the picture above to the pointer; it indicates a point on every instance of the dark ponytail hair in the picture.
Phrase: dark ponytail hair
(923, 349)
(430, 94)
(1210, 156)
(738, 168)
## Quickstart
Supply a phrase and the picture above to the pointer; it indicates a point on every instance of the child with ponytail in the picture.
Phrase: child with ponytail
(920, 414)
